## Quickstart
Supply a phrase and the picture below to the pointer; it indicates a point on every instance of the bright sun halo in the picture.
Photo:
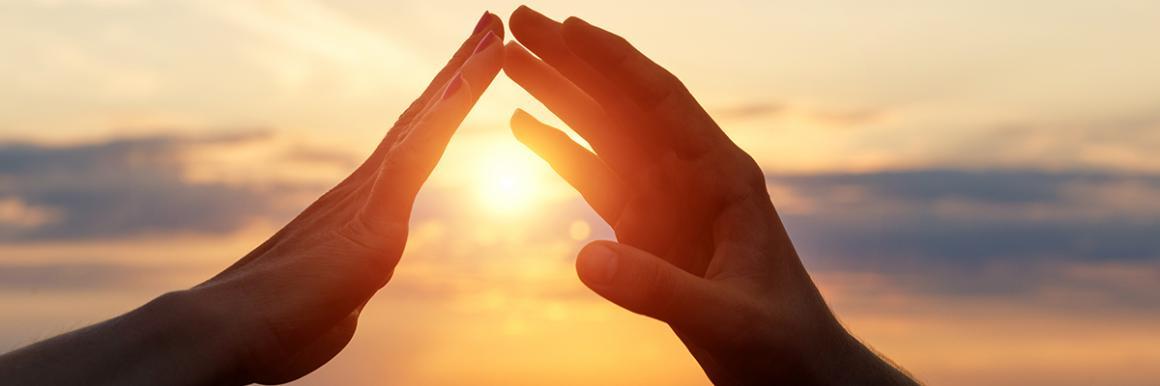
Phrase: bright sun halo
(507, 183)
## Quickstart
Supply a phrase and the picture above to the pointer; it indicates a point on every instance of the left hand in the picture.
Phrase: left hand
(293, 303)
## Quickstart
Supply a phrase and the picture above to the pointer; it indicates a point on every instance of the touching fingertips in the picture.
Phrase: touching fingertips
(483, 22)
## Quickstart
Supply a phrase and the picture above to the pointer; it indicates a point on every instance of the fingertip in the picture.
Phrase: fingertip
(522, 118)
(521, 13)
(597, 263)
(518, 63)
(484, 22)
(518, 19)
(513, 55)
(489, 22)
(527, 23)
(593, 44)
(498, 26)
(575, 21)
(513, 49)
(522, 126)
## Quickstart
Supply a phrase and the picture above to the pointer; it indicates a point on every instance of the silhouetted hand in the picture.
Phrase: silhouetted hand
(701, 246)
(296, 299)
(289, 306)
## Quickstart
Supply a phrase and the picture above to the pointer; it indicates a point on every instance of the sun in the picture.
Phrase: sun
(508, 182)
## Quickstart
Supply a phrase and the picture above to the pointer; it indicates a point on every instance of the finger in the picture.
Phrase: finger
(489, 22)
(488, 25)
(688, 129)
(407, 165)
(599, 185)
(571, 104)
(542, 35)
(646, 284)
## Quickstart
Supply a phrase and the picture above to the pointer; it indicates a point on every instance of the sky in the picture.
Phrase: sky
(972, 184)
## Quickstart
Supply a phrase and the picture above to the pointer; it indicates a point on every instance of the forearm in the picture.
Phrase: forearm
(857, 364)
(167, 341)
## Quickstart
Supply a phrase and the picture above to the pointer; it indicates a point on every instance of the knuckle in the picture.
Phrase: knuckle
(658, 292)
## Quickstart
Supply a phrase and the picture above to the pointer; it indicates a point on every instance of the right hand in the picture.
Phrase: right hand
(701, 246)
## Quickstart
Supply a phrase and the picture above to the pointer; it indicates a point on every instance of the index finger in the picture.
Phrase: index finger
(488, 23)
(675, 116)
(407, 164)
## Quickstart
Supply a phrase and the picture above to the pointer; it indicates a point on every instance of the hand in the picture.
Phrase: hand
(289, 306)
(701, 246)
(293, 303)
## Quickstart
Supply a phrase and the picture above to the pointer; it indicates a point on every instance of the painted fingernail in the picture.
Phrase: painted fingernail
(453, 87)
(487, 40)
(484, 21)
(598, 264)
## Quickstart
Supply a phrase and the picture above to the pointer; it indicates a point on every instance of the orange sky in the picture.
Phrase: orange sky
(973, 185)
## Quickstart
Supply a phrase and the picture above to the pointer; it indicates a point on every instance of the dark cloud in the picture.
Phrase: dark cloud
(28, 277)
(927, 185)
(898, 222)
(950, 230)
(126, 187)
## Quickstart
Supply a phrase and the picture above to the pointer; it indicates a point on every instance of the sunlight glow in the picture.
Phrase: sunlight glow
(508, 184)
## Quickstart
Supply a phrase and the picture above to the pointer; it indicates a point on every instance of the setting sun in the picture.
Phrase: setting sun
(508, 182)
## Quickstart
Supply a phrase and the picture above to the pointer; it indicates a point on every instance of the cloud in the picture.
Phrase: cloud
(76, 276)
(309, 42)
(128, 186)
(971, 231)
(1121, 142)
(15, 213)
(945, 230)
(828, 116)
(747, 111)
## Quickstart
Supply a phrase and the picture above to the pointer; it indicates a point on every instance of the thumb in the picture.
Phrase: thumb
(646, 284)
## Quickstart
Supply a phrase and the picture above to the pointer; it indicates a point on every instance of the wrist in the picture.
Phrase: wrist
(191, 338)
(847, 361)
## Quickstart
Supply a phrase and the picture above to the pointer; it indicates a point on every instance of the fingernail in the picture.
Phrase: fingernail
(483, 22)
(453, 87)
(487, 40)
(598, 264)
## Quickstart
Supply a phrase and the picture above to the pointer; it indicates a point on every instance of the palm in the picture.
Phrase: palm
(297, 297)
(670, 210)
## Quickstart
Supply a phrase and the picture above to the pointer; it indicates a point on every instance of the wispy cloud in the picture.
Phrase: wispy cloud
(313, 42)
(815, 116)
